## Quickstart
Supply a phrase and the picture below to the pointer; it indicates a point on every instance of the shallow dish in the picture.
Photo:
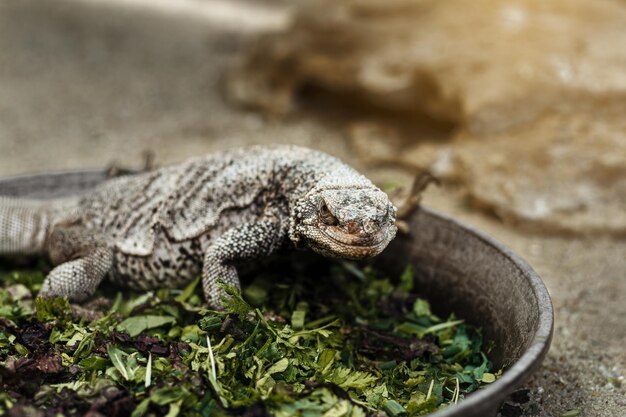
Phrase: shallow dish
(459, 270)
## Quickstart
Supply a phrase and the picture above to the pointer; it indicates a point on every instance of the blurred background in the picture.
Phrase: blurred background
(519, 107)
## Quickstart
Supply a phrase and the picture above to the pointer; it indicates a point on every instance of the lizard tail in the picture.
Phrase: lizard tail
(24, 225)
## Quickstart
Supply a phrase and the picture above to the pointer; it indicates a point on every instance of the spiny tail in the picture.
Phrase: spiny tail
(24, 224)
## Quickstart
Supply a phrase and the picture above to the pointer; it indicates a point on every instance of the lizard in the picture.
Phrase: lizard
(207, 215)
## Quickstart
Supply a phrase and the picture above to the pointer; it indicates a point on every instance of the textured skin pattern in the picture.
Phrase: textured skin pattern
(206, 215)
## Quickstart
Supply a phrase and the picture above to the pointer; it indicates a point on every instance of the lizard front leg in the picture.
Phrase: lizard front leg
(83, 260)
(245, 242)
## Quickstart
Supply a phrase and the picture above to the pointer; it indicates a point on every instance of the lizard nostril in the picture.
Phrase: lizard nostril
(352, 228)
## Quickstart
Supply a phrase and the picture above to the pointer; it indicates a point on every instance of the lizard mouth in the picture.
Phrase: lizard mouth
(362, 240)
(336, 242)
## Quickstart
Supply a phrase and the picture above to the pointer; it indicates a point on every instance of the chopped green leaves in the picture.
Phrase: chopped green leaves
(310, 340)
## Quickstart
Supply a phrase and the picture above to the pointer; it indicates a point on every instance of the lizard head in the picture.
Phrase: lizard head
(349, 222)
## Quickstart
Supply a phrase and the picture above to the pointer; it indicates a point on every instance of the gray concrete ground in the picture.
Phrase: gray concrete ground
(86, 83)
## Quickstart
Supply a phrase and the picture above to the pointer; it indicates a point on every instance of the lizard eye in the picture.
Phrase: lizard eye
(326, 216)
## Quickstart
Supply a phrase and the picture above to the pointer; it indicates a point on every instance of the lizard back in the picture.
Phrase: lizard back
(184, 201)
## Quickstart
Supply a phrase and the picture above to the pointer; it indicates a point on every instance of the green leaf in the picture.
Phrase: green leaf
(297, 319)
(210, 322)
(188, 291)
(93, 363)
(257, 292)
(233, 303)
(85, 346)
(421, 307)
(347, 378)
(168, 395)
(119, 359)
(407, 279)
(21, 349)
(420, 403)
(326, 359)
(137, 324)
(49, 309)
(488, 378)
(376, 395)
(279, 366)
(141, 409)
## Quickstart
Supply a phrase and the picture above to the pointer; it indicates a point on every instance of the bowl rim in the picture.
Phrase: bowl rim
(489, 397)
(532, 357)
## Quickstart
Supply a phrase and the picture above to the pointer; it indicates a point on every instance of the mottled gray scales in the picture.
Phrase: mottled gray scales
(204, 216)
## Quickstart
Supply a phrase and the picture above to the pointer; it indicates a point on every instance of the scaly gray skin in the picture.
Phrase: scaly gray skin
(206, 215)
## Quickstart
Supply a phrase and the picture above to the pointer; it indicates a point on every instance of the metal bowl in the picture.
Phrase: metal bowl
(459, 270)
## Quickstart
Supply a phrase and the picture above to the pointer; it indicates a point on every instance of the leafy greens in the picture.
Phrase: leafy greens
(305, 338)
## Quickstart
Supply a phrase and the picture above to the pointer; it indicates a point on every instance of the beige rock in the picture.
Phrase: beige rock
(377, 144)
(564, 172)
(486, 65)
